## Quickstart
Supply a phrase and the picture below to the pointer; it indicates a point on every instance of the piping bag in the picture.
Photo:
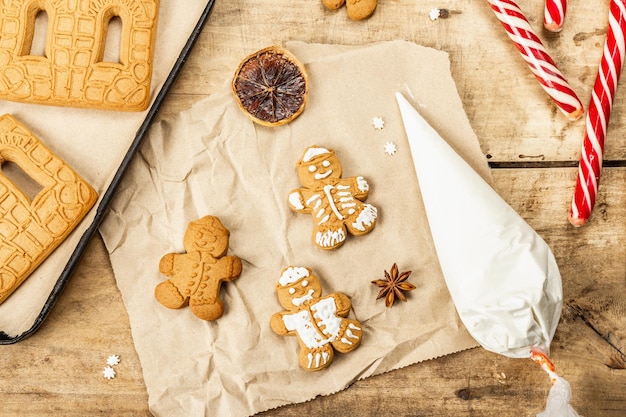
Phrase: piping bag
(501, 275)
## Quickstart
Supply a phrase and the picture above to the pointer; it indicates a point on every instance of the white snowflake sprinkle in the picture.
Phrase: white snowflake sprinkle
(378, 123)
(113, 360)
(390, 148)
(434, 14)
(109, 373)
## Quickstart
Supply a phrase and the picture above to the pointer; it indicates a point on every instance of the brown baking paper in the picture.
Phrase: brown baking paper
(213, 160)
(93, 143)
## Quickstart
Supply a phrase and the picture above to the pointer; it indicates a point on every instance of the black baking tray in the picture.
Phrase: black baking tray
(102, 208)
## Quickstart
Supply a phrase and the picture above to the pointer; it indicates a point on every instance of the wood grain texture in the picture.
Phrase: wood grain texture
(58, 371)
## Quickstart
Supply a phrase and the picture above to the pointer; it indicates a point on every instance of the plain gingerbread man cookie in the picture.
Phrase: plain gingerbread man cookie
(320, 323)
(335, 203)
(196, 276)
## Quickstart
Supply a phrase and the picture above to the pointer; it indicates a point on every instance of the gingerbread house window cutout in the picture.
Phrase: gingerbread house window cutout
(71, 71)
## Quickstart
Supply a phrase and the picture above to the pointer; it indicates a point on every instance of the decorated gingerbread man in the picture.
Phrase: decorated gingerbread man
(318, 322)
(196, 276)
(335, 203)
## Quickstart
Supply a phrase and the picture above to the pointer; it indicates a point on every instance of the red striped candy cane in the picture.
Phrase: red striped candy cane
(554, 15)
(598, 115)
(537, 58)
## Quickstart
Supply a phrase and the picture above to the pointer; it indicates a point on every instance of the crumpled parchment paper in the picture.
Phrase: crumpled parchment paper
(212, 160)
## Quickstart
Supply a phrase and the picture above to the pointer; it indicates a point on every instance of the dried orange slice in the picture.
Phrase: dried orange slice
(270, 86)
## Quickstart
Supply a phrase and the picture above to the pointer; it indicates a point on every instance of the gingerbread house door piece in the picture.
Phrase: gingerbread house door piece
(71, 71)
(31, 228)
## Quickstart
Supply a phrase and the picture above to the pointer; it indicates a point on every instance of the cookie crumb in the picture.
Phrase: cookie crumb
(108, 373)
(390, 148)
(378, 123)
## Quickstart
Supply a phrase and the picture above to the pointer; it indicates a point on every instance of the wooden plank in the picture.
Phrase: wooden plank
(59, 368)
(512, 116)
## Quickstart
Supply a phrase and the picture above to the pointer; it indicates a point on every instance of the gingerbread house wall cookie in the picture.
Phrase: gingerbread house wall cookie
(71, 72)
(30, 229)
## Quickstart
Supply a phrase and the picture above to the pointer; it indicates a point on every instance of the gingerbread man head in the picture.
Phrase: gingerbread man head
(318, 164)
(296, 286)
(207, 235)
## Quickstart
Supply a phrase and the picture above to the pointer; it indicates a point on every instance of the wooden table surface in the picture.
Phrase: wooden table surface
(533, 150)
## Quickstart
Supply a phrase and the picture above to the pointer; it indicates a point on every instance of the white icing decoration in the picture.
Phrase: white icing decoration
(326, 163)
(362, 184)
(322, 317)
(292, 290)
(365, 218)
(312, 168)
(327, 189)
(312, 199)
(313, 152)
(298, 301)
(296, 201)
(302, 324)
(293, 274)
(325, 219)
(330, 238)
(325, 312)
(305, 282)
(324, 175)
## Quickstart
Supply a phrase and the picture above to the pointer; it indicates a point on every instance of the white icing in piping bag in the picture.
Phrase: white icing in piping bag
(502, 276)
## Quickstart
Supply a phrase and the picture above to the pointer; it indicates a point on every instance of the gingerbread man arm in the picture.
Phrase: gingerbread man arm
(297, 201)
(278, 325)
(232, 266)
(166, 265)
(342, 302)
(361, 187)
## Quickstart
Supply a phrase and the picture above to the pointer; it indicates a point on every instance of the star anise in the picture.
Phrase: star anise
(393, 285)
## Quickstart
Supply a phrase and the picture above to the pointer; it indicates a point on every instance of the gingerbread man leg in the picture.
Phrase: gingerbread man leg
(205, 303)
(329, 237)
(314, 359)
(349, 336)
(206, 308)
(167, 293)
